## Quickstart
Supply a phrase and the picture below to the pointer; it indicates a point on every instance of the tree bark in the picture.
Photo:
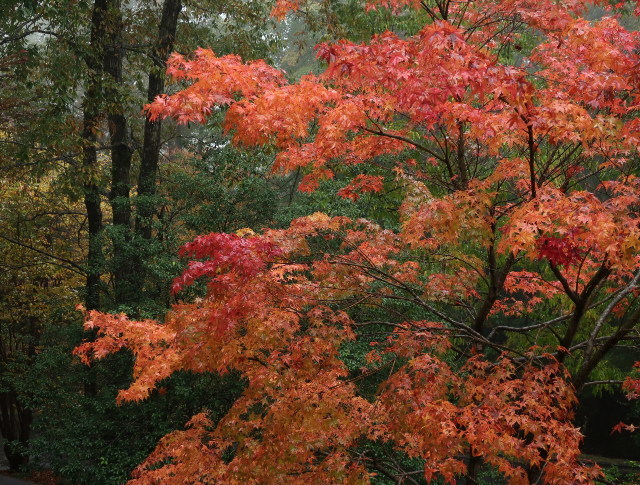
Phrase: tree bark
(151, 145)
(15, 425)
(121, 153)
(91, 108)
(15, 417)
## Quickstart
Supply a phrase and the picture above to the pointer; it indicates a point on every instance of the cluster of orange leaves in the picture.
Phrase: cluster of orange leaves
(301, 417)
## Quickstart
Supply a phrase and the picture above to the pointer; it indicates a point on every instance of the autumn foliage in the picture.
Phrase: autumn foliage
(516, 261)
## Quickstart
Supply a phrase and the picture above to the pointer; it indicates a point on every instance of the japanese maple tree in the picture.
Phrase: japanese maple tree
(516, 262)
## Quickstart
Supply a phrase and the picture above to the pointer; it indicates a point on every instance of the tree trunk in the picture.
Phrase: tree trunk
(121, 153)
(472, 469)
(91, 118)
(15, 425)
(15, 417)
(151, 147)
(92, 108)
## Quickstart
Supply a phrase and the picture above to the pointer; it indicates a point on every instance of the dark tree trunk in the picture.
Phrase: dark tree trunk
(121, 153)
(15, 417)
(151, 147)
(91, 108)
(472, 469)
(15, 425)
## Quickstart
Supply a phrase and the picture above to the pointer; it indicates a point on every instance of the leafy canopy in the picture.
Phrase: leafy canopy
(518, 253)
